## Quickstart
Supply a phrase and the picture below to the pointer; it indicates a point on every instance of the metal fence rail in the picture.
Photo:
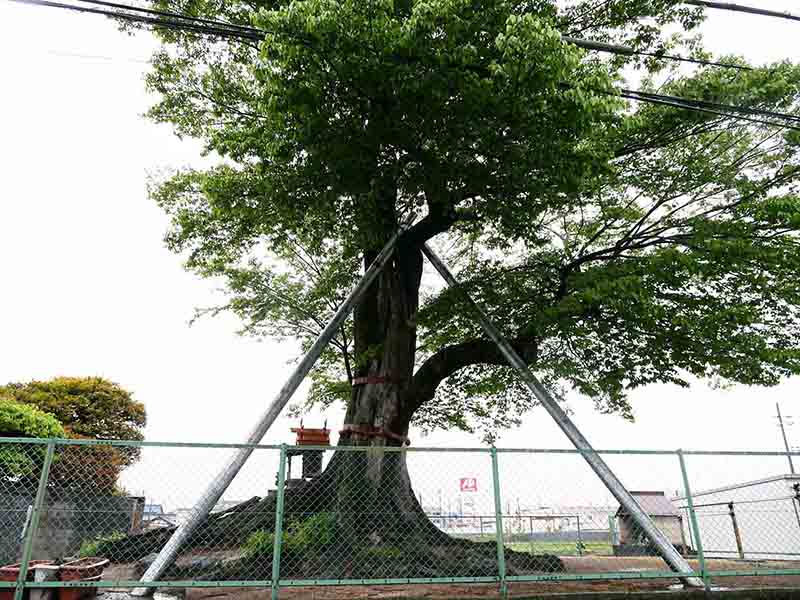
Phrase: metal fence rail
(304, 516)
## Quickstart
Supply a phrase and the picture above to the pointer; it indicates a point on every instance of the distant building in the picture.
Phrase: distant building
(152, 511)
(664, 514)
(154, 517)
(765, 512)
(223, 505)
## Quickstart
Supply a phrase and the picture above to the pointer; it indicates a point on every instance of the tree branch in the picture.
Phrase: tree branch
(447, 362)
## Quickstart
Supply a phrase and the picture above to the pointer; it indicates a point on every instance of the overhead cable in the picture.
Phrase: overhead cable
(625, 50)
(211, 22)
(687, 106)
(764, 12)
(224, 29)
(179, 22)
(716, 105)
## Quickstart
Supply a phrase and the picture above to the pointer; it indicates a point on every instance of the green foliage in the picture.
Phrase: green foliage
(259, 543)
(88, 408)
(20, 420)
(94, 546)
(300, 536)
(314, 532)
(629, 244)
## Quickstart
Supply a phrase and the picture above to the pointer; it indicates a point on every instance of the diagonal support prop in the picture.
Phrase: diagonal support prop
(598, 465)
(221, 482)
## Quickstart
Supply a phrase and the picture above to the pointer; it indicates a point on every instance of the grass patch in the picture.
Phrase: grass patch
(562, 548)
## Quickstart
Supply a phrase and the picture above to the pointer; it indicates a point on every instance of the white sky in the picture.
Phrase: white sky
(89, 289)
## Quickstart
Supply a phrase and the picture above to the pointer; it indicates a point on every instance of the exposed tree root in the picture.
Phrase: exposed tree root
(363, 529)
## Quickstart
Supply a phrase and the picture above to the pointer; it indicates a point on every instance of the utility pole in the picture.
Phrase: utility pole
(785, 441)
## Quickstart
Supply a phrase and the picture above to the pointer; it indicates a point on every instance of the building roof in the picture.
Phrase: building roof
(153, 509)
(792, 478)
(655, 504)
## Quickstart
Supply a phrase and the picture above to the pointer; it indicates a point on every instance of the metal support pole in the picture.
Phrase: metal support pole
(38, 506)
(612, 530)
(736, 532)
(684, 547)
(698, 542)
(785, 440)
(278, 543)
(796, 502)
(498, 525)
(221, 482)
(579, 545)
(689, 524)
(672, 557)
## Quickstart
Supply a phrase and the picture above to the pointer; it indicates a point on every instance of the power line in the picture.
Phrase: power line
(231, 33)
(633, 95)
(745, 9)
(255, 34)
(96, 57)
(627, 51)
(162, 13)
(716, 105)
(226, 30)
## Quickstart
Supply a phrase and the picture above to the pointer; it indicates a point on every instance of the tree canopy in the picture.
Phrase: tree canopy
(20, 420)
(616, 244)
(81, 408)
(90, 407)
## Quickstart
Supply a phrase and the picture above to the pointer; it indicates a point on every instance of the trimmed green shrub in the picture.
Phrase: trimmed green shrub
(94, 547)
(24, 420)
(19, 461)
(260, 543)
(300, 536)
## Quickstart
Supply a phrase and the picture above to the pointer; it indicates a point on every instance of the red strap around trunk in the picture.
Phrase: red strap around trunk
(375, 379)
(367, 431)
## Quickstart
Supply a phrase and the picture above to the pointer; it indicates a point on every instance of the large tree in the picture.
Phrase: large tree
(87, 408)
(617, 245)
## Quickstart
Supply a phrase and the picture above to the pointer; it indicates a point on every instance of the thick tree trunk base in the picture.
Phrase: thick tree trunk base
(345, 524)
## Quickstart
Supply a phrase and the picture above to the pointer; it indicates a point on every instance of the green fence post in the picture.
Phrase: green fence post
(698, 542)
(498, 520)
(30, 533)
(276, 548)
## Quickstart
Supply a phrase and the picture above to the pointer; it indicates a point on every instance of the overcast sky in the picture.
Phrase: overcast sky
(89, 289)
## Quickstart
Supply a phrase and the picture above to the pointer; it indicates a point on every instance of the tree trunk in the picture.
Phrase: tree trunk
(375, 503)
(367, 493)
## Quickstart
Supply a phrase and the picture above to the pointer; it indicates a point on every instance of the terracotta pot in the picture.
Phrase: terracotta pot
(11, 573)
(83, 569)
(79, 593)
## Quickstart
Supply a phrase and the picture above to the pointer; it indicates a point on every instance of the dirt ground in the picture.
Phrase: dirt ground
(583, 565)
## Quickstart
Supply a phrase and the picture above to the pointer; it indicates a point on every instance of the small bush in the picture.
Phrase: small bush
(300, 536)
(22, 420)
(94, 547)
(18, 461)
(259, 543)
(316, 531)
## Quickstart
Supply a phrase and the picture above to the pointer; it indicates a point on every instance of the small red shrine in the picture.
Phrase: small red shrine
(312, 458)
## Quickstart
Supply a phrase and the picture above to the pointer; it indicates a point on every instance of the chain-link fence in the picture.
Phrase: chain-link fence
(305, 516)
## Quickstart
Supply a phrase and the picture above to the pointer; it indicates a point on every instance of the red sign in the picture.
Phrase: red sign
(468, 484)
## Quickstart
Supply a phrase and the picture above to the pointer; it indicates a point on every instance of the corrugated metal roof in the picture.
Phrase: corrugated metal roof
(655, 504)
(727, 488)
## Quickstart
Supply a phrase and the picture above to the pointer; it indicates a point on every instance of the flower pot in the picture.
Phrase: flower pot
(11, 573)
(83, 569)
(41, 573)
(79, 593)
